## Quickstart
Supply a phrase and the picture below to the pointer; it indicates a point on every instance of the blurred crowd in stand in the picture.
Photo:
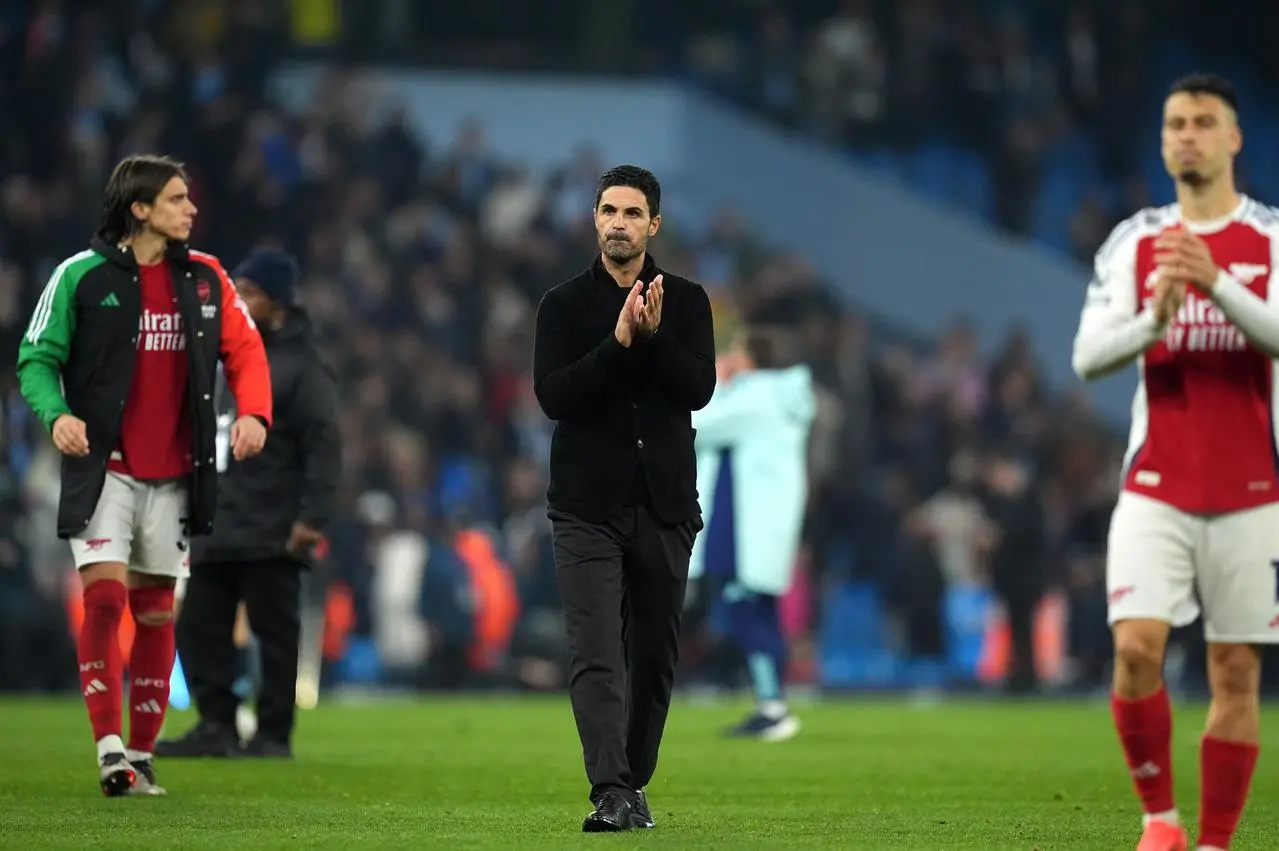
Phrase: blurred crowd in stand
(934, 468)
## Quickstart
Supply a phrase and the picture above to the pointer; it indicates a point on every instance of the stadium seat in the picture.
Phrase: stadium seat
(932, 170)
(852, 647)
(883, 164)
(967, 612)
(971, 189)
(360, 664)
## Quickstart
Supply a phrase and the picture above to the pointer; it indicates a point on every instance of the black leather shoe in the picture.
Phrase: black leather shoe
(641, 815)
(204, 739)
(612, 814)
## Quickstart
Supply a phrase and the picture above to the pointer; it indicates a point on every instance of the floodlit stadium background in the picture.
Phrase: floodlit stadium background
(915, 192)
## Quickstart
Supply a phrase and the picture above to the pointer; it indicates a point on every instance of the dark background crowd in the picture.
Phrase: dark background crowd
(935, 470)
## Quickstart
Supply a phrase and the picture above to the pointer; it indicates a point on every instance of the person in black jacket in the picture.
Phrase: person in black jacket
(1019, 560)
(118, 363)
(272, 513)
(623, 354)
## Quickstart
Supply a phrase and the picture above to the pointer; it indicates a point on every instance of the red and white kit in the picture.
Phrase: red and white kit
(1200, 502)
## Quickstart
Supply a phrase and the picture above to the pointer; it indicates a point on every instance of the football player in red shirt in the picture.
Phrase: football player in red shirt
(1187, 292)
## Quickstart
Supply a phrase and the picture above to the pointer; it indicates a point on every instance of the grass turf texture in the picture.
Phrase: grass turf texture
(470, 773)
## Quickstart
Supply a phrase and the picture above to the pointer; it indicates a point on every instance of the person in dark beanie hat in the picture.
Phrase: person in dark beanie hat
(272, 273)
(272, 515)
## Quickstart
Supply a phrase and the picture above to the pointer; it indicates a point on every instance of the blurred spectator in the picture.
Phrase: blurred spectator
(1019, 556)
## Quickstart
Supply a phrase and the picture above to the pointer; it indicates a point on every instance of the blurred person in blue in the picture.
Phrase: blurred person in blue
(752, 474)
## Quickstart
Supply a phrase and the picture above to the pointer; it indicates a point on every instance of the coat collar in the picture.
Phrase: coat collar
(122, 255)
(647, 272)
(297, 324)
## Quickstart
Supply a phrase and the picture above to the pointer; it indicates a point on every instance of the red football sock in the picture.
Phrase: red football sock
(150, 665)
(1225, 773)
(1145, 730)
(98, 651)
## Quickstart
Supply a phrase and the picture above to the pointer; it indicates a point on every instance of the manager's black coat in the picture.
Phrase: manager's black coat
(622, 410)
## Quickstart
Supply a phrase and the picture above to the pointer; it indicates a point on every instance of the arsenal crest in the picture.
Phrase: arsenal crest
(203, 290)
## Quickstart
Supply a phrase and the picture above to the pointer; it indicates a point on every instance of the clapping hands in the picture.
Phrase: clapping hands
(648, 311)
(642, 312)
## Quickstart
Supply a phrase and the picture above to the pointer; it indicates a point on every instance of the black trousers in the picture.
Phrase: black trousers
(271, 591)
(1021, 596)
(622, 582)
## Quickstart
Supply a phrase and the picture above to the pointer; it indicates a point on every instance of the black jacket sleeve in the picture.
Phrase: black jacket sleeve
(315, 411)
(565, 387)
(683, 353)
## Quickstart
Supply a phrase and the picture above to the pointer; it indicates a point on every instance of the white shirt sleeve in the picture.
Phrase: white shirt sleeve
(1258, 320)
(1113, 331)
(730, 414)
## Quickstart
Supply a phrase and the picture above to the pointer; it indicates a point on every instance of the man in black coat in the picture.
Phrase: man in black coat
(1019, 561)
(272, 513)
(623, 354)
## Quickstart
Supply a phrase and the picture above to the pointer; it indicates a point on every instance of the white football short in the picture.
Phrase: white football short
(1165, 564)
(140, 524)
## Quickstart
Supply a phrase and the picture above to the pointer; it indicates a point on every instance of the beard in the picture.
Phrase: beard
(621, 251)
(1193, 177)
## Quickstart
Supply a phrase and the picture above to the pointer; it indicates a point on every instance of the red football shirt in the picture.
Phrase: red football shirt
(1204, 417)
(155, 435)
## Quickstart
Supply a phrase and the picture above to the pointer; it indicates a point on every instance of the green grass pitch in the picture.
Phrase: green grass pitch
(506, 773)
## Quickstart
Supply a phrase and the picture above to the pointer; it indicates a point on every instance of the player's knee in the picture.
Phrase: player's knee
(1139, 654)
(103, 571)
(1234, 672)
(151, 605)
(105, 598)
(1138, 650)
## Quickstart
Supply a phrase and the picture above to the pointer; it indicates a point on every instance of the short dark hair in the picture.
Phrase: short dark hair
(135, 179)
(634, 177)
(1207, 84)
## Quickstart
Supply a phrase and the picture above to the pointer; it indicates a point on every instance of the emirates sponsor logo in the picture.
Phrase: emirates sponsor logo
(1200, 326)
(161, 332)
